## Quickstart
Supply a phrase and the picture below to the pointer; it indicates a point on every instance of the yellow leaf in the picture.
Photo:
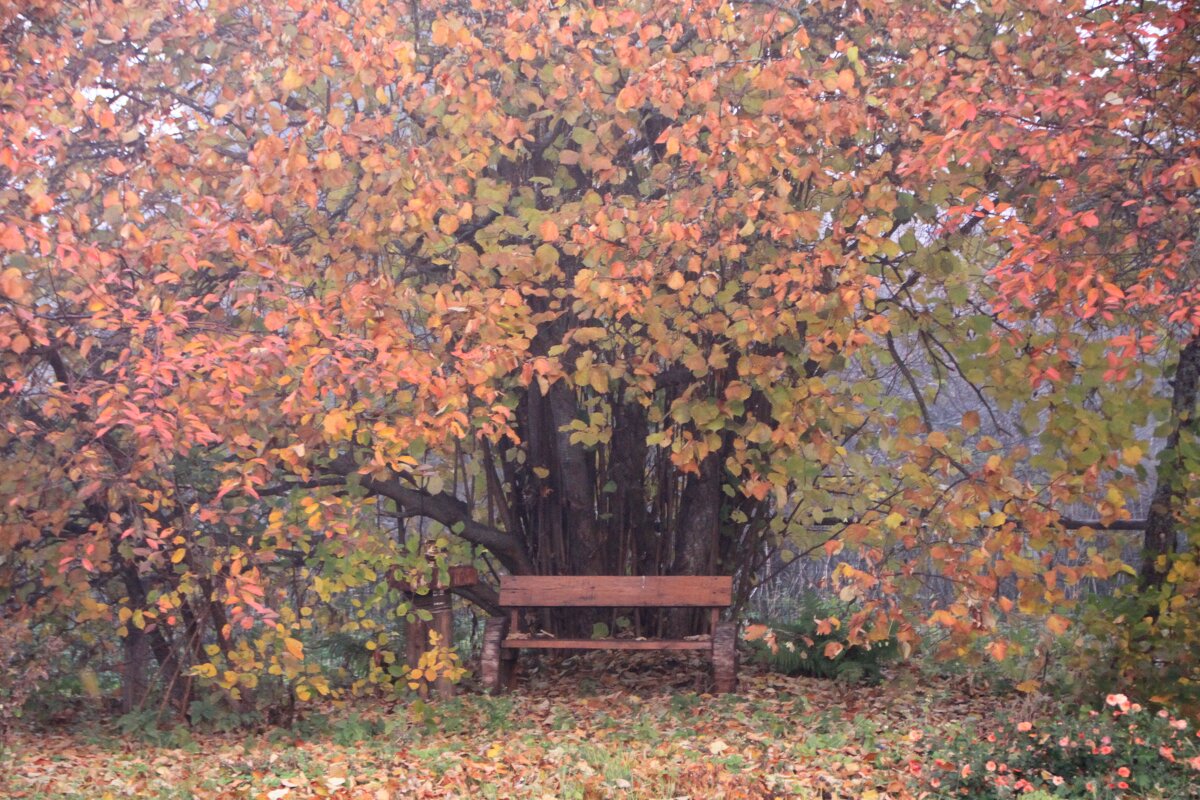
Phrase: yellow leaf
(303, 693)
(178, 555)
(89, 682)
(253, 200)
(448, 224)
(1131, 455)
(336, 424)
(1056, 623)
(676, 281)
(893, 520)
(495, 750)
(1028, 686)
(291, 80)
(295, 647)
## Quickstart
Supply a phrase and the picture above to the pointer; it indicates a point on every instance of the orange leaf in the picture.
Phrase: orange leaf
(12, 284)
(548, 230)
(10, 238)
(628, 98)
(755, 632)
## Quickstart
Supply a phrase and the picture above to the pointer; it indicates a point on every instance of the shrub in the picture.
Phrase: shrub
(1124, 751)
(816, 644)
(1144, 643)
(23, 668)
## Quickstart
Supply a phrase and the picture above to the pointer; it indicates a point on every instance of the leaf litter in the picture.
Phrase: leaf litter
(589, 726)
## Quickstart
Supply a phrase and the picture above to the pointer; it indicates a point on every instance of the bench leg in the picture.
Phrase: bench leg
(725, 657)
(497, 665)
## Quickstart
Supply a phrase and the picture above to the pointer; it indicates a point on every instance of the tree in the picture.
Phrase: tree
(633, 288)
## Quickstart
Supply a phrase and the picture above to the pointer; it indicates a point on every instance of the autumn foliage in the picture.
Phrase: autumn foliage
(303, 300)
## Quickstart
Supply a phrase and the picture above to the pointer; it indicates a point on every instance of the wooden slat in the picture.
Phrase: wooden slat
(609, 644)
(705, 591)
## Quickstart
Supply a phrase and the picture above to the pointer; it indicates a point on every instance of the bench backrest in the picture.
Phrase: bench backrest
(620, 591)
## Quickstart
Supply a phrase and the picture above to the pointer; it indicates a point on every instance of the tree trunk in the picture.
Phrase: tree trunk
(134, 681)
(1161, 528)
(697, 533)
(169, 667)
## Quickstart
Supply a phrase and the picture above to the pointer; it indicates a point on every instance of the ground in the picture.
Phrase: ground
(604, 725)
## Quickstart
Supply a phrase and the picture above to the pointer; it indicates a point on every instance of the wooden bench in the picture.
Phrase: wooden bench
(503, 637)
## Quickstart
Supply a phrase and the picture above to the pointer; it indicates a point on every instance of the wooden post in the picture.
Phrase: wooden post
(418, 637)
(443, 622)
(440, 604)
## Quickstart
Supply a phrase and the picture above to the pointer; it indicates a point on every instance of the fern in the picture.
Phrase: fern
(800, 649)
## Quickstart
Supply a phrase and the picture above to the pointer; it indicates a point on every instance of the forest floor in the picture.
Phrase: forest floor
(604, 725)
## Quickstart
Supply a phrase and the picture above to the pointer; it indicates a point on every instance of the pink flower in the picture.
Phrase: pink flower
(1162, 712)
(1064, 741)
(1194, 763)
(1105, 750)
(1024, 726)
(966, 770)
(991, 766)
(1123, 772)
(1179, 724)
(1118, 700)
(1167, 753)
(1057, 780)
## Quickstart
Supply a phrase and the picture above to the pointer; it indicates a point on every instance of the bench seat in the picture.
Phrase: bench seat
(503, 638)
(608, 644)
